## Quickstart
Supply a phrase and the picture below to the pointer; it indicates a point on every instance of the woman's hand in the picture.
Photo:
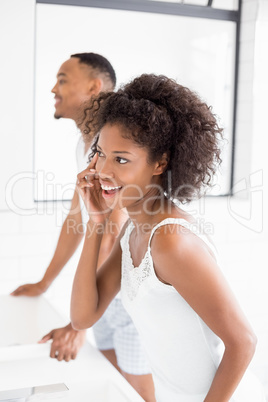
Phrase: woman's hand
(91, 192)
(66, 342)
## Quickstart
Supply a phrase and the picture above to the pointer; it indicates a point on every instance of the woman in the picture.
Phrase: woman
(158, 143)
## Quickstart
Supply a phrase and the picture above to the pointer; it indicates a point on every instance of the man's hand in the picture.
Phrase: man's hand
(29, 289)
(66, 342)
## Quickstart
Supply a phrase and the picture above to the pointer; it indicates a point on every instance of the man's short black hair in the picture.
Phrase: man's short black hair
(99, 63)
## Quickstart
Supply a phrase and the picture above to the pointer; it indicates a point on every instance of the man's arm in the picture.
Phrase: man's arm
(70, 236)
(66, 341)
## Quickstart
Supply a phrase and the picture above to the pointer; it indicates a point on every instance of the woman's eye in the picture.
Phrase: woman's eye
(100, 154)
(62, 82)
(122, 161)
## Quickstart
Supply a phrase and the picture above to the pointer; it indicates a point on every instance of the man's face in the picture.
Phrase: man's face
(73, 87)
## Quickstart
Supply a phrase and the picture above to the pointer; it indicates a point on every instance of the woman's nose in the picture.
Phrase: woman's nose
(104, 169)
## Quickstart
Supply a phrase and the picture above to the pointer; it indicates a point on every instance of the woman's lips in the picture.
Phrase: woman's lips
(110, 193)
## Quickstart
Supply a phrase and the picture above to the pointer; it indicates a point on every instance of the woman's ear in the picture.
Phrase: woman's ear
(161, 165)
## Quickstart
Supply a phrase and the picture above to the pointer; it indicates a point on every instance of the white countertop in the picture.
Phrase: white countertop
(90, 377)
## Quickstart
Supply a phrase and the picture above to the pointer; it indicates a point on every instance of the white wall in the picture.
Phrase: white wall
(239, 224)
(28, 235)
(16, 102)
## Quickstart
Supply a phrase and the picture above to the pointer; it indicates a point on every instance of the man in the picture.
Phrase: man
(78, 79)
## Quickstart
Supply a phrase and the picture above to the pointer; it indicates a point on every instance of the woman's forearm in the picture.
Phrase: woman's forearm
(234, 363)
(84, 301)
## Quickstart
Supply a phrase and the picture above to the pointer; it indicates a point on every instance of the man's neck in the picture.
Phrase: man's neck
(87, 138)
(87, 146)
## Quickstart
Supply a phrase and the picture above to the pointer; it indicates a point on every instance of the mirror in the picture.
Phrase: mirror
(198, 53)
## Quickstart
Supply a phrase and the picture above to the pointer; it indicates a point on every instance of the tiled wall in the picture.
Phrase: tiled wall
(242, 245)
(27, 245)
(240, 229)
(252, 165)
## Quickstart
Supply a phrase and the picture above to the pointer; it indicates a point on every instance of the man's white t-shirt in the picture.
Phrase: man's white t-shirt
(82, 163)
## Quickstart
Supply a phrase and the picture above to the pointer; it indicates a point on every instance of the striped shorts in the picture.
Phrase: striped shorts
(115, 330)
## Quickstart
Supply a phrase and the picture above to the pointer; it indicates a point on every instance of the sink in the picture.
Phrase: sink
(34, 393)
(97, 391)
(100, 391)
(24, 321)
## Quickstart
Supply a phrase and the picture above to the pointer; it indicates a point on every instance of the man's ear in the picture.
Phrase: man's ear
(161, 165)
(95, 86)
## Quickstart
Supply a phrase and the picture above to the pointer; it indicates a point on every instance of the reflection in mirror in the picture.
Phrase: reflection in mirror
(198, 53)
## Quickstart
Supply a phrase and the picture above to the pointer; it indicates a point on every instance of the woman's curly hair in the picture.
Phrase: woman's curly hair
(164, 117)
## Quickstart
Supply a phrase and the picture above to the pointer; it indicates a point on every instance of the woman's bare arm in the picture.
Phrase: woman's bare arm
(94, 289)
(185, 262)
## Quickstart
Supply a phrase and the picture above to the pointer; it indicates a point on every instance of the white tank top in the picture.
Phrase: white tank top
(183, 352)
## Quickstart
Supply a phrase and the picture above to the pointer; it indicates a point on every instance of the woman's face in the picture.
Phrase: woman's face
(126, 177)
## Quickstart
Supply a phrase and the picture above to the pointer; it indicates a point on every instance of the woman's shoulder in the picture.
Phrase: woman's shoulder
(178, 253)
(172, 232)
(172, 225)
(178, 236)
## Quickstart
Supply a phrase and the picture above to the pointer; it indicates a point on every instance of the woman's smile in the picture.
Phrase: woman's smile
(109, 191)
(125, 175)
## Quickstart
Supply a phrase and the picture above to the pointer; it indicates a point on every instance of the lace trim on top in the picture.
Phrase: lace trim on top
(132, 276)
